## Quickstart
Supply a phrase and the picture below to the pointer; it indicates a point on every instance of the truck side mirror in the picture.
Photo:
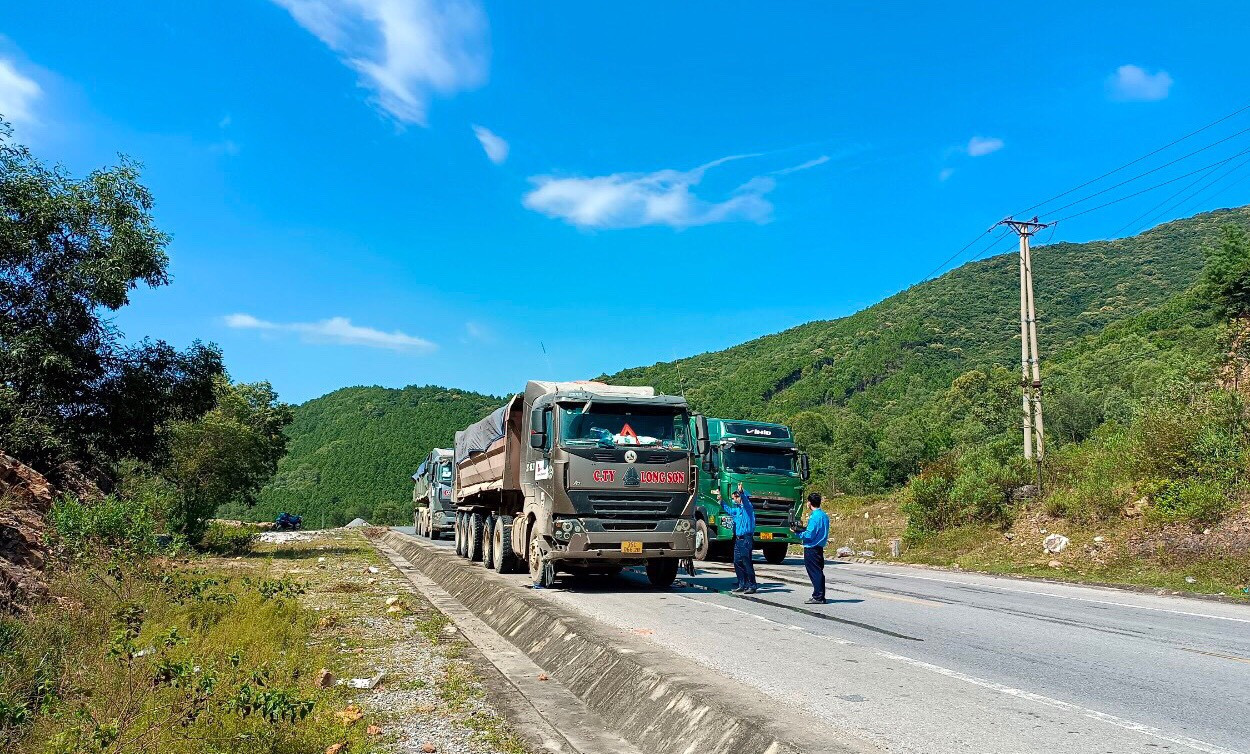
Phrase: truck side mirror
(538, 428)
(805, 467)
(701, 435)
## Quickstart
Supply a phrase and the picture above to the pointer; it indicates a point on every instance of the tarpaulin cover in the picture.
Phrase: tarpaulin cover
(476, 438)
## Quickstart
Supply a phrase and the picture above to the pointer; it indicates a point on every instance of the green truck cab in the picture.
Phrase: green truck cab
(764, 459)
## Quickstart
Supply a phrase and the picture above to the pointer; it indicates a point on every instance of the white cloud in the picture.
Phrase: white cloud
(821, 160)
(1131, 83)
(403, 49)
(979, 146)
(632, 200)
(336, 330)
(946, 173)
(17, 94)
(495, 147)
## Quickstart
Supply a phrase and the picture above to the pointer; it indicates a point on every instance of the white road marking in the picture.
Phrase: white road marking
(1051, 594)
(1142, 728)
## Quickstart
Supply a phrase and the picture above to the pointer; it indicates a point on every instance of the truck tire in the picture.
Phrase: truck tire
(775, 552)
(661, 572)
(488, 543)
(505, 559)
(474, 544)
(702, 541)
(416, 522)
(459, 534)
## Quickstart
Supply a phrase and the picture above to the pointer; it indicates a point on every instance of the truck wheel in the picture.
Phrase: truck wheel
(416, 522)
(474, 544)
(460, 534)
(505, 558)
(488, 543)
(702, 540)
(661, 572)
(775, 552)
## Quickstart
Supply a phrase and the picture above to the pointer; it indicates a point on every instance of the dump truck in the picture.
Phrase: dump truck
(763, 458)
(433, 511)
(579, 477)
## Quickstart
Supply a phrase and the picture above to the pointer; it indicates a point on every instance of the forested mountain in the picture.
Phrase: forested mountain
(861, 389)
(351, 452)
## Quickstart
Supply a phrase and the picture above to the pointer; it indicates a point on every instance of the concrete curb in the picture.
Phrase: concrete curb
(659, 701)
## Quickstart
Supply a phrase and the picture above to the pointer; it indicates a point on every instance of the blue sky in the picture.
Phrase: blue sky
(416, 191)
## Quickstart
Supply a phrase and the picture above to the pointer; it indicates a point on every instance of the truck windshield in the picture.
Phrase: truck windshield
(444, 474)
(746, 459)
(608, 426)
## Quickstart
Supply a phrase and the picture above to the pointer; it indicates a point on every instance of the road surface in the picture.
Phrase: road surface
(919, 660)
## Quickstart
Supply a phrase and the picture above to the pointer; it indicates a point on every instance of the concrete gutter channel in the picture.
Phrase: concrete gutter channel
(657, 700)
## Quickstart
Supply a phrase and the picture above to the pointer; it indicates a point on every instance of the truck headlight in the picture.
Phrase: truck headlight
(683, 524)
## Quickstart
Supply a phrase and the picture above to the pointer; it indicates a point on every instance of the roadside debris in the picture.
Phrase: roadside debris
(1056, 564)
(428, 748)
(325, 679)
(335, 748)
(349, 714)
(282, 537)
(356, 523)
(1055, 543)
(866, 553)
(1190, 580)
(373, 730)
(844, 552)
(372, 569)
(367, 683)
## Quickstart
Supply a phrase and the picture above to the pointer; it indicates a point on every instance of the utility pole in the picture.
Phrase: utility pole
(1030, 361)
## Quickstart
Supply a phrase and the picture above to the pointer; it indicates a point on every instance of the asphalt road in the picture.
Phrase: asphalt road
(920, 660)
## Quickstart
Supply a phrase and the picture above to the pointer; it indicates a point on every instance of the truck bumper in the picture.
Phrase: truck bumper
(609, 546)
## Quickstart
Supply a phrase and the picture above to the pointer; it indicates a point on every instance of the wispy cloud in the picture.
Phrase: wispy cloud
(821, 160)
(495, 147)
(1131, 83)
(336, 330)
(18, 94)
(403, 50)
(946, 174)
(979, 146)
(665, 197)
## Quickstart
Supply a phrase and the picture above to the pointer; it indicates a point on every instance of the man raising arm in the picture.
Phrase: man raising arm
(743, 514)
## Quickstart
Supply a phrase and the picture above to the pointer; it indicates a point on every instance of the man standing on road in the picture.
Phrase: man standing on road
(814, 538)
(743, 514)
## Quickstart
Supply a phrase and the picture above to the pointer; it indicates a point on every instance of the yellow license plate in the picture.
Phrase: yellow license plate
(766, 535)
(635, 547)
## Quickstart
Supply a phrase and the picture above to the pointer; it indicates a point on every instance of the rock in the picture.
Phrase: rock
(335, 748)
(865, 514)
(1009, 536)
(1190, 580)
(372, 569)
(1027, 492)
(844, 552)
(1055, 543)
(373, 730)
(355, 523)
(1099, 539)
(1055, 564)
(870, 541)
(27, 497)
(865, 553)
(391, 601)
(896, 548)
(325, 679)
(428, 748)
(349, 714)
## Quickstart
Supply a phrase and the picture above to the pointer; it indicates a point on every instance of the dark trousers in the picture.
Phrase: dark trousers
(814, 562)
(742, 563)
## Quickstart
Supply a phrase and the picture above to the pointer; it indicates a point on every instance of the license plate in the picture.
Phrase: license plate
(766, 535)
(634, 547)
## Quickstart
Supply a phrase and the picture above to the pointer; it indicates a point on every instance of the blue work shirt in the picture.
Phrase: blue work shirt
(817, 532)
(743, 515)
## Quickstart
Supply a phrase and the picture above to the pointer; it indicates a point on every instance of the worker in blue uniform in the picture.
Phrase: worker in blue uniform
(743, 514)
(813, 538)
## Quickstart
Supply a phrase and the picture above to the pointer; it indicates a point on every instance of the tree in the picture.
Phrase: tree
(1227, 271)
(71, 251)
(224, 456)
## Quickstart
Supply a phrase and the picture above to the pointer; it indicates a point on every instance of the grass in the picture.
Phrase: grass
(157, 655)
(1131, 552)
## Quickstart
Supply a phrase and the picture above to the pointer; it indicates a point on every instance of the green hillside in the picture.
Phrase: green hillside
(863, 390)
(351, 452)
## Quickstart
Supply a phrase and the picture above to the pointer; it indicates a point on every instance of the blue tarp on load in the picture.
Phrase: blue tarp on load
(476, 438)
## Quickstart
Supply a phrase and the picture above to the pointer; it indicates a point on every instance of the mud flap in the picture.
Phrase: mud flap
(687, 565)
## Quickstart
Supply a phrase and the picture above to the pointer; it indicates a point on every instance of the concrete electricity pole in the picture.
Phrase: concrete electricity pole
(1030, 362)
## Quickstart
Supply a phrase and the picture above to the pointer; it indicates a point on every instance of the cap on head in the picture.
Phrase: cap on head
(815, 499)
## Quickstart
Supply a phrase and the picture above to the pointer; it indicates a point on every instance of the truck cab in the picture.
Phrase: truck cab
(434, 511)
(763, 458)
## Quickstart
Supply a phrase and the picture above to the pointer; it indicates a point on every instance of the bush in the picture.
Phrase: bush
(222, 539)
(112, 525)
(968, 488)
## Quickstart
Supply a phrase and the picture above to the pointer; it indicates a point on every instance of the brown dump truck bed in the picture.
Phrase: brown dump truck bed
(488, 453)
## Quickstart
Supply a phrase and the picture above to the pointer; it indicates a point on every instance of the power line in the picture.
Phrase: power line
(952, 257)
(1215, 180)
(1182, 190)
(1139, 159)
(1148, 172)
(1152, 188)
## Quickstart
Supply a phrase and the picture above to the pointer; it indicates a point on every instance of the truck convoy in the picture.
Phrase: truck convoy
(433, 510)
(580, 477)
(764, 459)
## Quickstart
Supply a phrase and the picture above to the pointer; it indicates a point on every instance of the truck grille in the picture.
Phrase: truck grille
(771, 511)
(623, 505)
